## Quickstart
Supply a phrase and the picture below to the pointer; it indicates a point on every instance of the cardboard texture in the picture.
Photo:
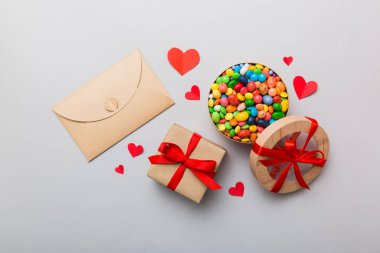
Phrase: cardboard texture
(113, 105)
(190, 186)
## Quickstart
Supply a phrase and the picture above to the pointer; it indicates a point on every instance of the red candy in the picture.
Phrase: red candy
(251, 86)
(277, 99)
(238, 87)
(233, 100)
(244, 133)
(243, 90)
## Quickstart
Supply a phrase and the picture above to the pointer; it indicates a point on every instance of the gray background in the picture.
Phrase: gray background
(52, 200)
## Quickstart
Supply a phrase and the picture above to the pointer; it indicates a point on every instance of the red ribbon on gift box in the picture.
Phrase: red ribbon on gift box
(290, 155)
(172, 154)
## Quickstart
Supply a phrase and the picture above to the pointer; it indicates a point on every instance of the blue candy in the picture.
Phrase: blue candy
(249, 73)
(268, 100)
(271, 121)
(254, 77)
(224, 95)
(262, 78)
(243, 79)
(270, 72)
(237, 69)
(254, 112)
(251, 120)
(262, 123)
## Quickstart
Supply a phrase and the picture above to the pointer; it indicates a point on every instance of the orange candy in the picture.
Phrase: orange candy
(233, 122)
(253, 137)
(230, 108)
(216, 102)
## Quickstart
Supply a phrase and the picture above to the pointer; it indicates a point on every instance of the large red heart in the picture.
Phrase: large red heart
(238, 190)
(120, 169)
(183, 62)
(303, 88)
(288, 60)
(194, 94)
(135, 150)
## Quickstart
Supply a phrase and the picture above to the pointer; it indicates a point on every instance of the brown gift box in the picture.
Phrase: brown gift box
(190, 186)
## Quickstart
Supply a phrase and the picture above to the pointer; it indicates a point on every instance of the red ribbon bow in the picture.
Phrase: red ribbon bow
(292, 156)
(202, 169)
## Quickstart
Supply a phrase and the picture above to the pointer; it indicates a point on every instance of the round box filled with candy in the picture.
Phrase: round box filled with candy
(245, 99)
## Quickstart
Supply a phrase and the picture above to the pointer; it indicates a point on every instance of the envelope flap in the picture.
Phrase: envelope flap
(105, 95)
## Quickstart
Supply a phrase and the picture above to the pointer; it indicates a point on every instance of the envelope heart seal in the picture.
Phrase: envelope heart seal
(304, 89)
(238, 190)
(288, 60)
(194, 94)
(119, 169)
(135, 150)
(183, 62)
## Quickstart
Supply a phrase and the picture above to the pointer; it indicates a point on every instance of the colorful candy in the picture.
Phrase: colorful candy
(245, 99)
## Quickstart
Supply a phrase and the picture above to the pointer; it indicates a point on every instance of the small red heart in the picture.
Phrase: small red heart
(288, 60)
(135, 150)
(183, 62)
(302, 88)
(194, 94)
(120, 169)
(238, 190)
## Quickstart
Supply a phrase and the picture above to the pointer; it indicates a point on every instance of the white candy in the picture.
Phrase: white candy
(244, 69)
(217, 108)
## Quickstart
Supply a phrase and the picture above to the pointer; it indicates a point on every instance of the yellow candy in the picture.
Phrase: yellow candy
(229, 91)
(259, 66)
(253, 128)
(242, 116)
(284, 94)
(244, 140)
(248, 95)
(222, 127)
(251, 67)
(215, 86)
(265, 108)
(210, 103)
(237, 129)
(216, 94)
(266, 69)
(284, 105)
(229, 116)
(229, 72)
(240, 97)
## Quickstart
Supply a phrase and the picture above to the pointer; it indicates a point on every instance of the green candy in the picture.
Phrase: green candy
(257, 71)
(277, 107)
(225, 79)
(232, 133)
(219, 80)
(223, 110)
(232, 83)
(246, 126)
(249, 102)
(228, 125)
(215, 117)
(235, 76)
(235, 113)
(211, 110)
(222, 115)
(278, 115)
(247, 111)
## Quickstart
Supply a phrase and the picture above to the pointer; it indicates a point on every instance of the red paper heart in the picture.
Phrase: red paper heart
(183, 62)
(120, 169)
(238, 190)
(303, 88)
(288, 60)
(135, 150)
(194, 94)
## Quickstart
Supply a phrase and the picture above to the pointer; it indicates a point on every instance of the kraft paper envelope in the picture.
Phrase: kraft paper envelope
(113, 105)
